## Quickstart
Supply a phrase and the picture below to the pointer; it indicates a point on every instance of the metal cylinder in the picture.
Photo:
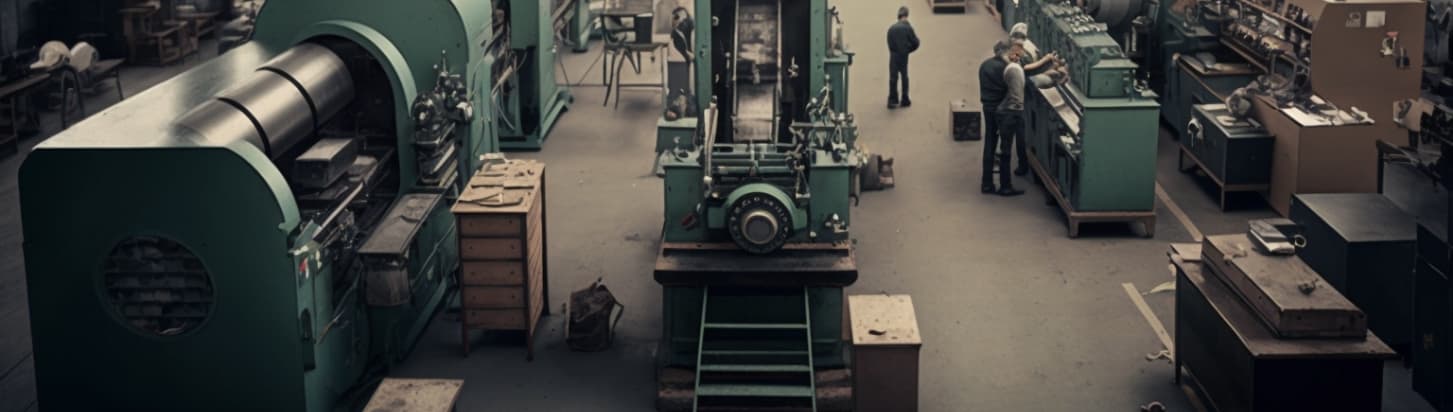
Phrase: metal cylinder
(276, 105)
(219, 122)
(285, 101)
(321, 74)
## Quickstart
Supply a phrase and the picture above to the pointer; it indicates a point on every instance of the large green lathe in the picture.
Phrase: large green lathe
(755, 246)
(266, 231)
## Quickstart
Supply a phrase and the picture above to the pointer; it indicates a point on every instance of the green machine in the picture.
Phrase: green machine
(522, 50)
(269, 230)
(573, 21)
(755, 245)
(1093, 138)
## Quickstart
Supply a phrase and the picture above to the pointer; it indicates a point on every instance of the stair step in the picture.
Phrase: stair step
(754, 352)
(757, 326)
(757, 368)
(746, 390)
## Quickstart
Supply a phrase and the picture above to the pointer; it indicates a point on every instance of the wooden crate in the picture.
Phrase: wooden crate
(1286, 294)
(503, 281)
(885, 352)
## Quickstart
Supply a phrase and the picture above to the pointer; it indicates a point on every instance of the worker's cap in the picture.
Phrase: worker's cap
(1019, 30)
(902, 11)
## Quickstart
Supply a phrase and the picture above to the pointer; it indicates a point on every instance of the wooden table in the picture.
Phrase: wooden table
(617, 52)
(10, 94)
(415, 395)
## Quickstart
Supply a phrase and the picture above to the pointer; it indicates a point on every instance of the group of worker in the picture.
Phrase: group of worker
(1003, 80)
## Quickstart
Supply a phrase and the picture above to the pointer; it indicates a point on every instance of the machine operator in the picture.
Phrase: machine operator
(1009, 116)
(901, 41)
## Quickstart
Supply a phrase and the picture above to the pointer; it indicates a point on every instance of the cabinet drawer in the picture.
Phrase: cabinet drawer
(495, 318)
(493, 274)
(490, 225)
(493, 297)
(470, 248)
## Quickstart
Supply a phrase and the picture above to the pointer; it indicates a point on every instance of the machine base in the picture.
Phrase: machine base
(1074, 217)
(675, 390)
(535, 141)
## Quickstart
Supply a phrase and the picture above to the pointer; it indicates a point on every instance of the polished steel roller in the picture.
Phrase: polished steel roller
(282, 104)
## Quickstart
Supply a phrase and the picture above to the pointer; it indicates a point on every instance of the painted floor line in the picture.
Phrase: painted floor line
(1180, 215)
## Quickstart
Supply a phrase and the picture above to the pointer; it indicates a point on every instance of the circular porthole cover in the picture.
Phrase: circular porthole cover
(156, 286)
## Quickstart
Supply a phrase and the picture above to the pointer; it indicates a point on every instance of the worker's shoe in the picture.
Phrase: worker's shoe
(1021, 171)
(1010, 191)
(892, 104)
(987, 189)
(906, 103)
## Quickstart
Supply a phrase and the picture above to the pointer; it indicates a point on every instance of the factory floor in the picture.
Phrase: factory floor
(1014, 315)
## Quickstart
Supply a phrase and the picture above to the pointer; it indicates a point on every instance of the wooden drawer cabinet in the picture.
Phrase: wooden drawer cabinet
(503, 278)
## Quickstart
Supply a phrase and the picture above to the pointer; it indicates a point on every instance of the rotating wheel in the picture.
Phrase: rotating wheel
(759, 224)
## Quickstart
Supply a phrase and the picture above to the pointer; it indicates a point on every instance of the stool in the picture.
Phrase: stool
(885, 352)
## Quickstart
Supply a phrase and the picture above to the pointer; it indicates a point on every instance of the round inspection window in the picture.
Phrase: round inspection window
(157, 286)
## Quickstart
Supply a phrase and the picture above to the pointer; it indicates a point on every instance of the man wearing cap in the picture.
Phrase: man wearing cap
(901, 41)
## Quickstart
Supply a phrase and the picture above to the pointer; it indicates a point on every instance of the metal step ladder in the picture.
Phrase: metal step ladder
(754, 358)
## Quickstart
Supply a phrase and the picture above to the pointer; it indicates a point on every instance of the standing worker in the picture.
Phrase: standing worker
(1039, 71)
(1010, 112)
(901, 41)
(991, 93)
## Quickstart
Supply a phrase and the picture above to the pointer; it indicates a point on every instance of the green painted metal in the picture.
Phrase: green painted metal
(577, 27)
(675, 134)
(799, 216)
(287, 330)
(731, 361)
(530, 106)
(1098, 146)
(810, 167)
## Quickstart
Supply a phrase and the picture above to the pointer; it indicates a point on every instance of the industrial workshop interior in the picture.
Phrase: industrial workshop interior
(726, 205)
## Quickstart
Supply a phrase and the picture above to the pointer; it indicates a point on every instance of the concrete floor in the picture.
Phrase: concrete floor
(1015, 316)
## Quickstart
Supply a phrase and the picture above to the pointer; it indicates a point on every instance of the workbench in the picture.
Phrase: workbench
(1238, 364)
(10, 98)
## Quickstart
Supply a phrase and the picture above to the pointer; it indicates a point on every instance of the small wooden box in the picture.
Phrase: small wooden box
(968, 120)
(415, 395)
(885, 352)
(503, 281)
(949, 6)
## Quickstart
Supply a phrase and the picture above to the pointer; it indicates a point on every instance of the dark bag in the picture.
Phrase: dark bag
(591, 327)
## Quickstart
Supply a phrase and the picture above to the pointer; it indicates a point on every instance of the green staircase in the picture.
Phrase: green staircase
(746, 358)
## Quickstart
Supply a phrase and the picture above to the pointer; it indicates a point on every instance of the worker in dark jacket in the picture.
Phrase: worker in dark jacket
(992, 89)
(901, 41)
